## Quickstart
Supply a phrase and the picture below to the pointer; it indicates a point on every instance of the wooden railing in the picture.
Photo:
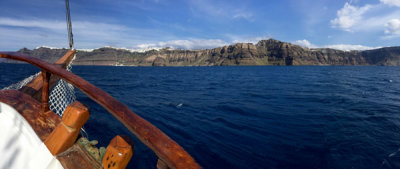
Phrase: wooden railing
(168, 151)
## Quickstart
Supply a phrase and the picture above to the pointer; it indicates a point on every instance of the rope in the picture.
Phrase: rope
(63, 93)
(67, 90)
(69, 25)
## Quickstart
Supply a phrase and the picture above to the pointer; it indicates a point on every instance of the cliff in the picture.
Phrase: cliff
(265, 52)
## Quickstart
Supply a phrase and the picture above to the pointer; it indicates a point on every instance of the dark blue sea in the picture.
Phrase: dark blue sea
(299, 117)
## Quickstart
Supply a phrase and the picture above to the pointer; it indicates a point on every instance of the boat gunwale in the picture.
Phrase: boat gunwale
(163, 146)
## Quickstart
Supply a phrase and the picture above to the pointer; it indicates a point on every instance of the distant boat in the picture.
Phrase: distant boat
(118, 64)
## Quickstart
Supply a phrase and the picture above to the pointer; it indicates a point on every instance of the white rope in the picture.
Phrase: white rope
(22, 83)
(61, 95)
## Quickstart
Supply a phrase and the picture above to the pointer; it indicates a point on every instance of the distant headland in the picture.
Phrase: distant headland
(265, 52)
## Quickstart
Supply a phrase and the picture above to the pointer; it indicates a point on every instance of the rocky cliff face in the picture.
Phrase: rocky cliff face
(265, 52)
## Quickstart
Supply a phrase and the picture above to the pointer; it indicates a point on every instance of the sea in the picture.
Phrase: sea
(253, 117)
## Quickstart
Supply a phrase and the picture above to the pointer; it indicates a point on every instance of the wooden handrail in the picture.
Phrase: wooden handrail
(34, 87)
(163, 146)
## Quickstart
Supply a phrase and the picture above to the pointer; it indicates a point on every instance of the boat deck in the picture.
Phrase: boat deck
(40, 126)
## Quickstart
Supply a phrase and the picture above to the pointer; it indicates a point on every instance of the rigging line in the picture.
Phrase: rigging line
(69, 25)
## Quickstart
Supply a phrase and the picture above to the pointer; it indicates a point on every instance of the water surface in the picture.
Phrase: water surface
(254, 117)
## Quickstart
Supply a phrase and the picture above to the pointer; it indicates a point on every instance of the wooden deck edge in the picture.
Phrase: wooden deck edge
(42, 123)
(77, 157)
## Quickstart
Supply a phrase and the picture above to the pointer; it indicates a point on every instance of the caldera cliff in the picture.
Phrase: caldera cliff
(265, 52)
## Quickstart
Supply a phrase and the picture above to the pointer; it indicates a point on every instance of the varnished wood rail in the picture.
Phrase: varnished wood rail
(164, 147)
(34, 87)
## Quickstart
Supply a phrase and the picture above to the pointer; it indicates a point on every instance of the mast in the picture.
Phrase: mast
(69, 25)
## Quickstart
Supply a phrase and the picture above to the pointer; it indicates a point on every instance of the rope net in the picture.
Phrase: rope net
(61, 95)
(21, 83)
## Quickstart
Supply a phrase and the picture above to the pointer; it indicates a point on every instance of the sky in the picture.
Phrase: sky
(200, 24)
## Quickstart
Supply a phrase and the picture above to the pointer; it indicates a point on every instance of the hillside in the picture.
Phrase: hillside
(265, 52)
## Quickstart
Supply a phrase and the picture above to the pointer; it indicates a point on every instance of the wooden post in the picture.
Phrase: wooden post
(166, 148)
(118, 154)
(45, 92)
(65, 134)
(34, 87)
(162, 165)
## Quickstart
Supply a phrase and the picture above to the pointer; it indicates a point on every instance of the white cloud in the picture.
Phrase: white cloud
(246, 39)
(14, 39)
(53, 25)
(18, 33)
(347, 47)
(304, 43)
(349, 16)
(370, 18)
(344, 47)
(58, 26)
(391, 2)
(202, 43)
(393, 27)
(243, 15)
(220, 10)
(30, 33)
(186, 44)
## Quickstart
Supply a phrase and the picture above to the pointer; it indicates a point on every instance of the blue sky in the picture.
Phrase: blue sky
(199, 24)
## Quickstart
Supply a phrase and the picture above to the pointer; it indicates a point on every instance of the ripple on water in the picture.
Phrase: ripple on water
(254, 117)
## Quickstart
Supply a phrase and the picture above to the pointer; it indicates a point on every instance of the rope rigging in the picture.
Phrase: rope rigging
(63, 93)
(66, 90)
(69, 25)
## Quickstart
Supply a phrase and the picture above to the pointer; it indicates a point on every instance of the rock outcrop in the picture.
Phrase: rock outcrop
(159, 61)
(265, 52)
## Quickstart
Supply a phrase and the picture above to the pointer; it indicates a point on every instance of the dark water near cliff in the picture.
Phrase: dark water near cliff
(254, 117)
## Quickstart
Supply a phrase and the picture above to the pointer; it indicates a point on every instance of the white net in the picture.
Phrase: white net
(61, 95)
(19, 85)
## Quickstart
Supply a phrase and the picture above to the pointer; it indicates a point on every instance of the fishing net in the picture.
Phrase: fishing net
(61, 95)
(19, 85)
